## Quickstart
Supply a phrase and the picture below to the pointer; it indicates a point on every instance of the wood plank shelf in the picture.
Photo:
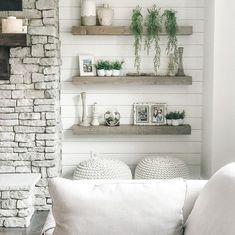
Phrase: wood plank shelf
(13, 39)
(132, 130)
(134, 80)
(120, 30)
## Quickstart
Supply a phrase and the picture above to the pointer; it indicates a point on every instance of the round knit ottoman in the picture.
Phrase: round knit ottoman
(161, 168)
(100, 168)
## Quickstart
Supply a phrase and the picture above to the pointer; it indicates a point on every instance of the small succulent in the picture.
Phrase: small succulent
(175, 115)
(107, 65)
(100, 64)
(117, 65)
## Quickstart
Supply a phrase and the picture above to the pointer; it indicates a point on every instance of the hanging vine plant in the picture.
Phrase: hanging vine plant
(153, 24)
(137, 31)
(170, 23)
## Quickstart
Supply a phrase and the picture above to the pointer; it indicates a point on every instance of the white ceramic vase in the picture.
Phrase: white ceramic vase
(108, 73)
(85, 121)
(169, 122)
(95, 119)
(105, 15)
(101, 72)
(116, 72)
(175, 122)
(88, 12)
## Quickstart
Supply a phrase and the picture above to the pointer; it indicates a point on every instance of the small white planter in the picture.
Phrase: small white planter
(175, 122)
(116, 73)
(169, 122)
(108, 73)
(101, 72)
(181, 121)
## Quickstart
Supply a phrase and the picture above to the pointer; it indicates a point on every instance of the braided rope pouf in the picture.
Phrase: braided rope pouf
(100, 168)
(161, 168)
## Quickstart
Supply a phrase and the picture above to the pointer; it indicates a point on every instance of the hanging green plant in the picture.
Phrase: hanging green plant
(153, 24)
(170, 23)
(137, 31)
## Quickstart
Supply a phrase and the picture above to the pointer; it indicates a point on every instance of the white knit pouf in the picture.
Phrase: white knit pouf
(161, 168)
(100, 168)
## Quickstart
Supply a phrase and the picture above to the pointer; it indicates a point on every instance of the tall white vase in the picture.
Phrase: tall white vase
(85, 121)
(88, 12)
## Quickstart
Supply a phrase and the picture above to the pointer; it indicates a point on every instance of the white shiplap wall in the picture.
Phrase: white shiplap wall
(131, 149)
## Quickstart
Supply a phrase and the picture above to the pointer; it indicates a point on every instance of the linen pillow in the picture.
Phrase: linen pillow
(214, 210)
(117, 207)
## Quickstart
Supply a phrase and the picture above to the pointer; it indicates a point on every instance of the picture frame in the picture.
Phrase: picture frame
(141, 114)
(87, 65)
(150, 114)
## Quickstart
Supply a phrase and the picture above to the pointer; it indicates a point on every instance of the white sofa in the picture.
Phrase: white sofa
(208, 208)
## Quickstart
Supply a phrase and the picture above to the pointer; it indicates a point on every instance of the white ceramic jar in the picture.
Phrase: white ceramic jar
(116, 72)
(105, 15)
(108, 73)
(12, 25)
(175, 122)
(101, 72)
(88, 12)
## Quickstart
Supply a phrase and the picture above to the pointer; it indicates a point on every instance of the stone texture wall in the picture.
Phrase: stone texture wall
(29, 102)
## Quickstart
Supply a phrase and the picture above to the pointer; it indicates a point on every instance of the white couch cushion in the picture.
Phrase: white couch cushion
(214, 210)
(118, 208)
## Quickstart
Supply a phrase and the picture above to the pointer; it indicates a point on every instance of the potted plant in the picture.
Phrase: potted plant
(100, 66)
(117, 66)
(169, 117)
(177, 118)
(153, 24)
(170, 24)
(108, 68)
(137, 31)
(182, 116)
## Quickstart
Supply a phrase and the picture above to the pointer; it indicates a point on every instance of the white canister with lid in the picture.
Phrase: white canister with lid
(88, 12)
(12, 25)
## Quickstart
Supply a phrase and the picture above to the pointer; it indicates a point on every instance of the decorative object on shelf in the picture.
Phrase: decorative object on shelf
(137, 30)
(112, 118)
(12, 25)
(101, 168)
(180, 64)
(153, 24)
(175, 118)
(100, 68)
(108, 68)
(85, 121)
(88, 12)
(170, 24)
(11, 5)
(105, 15)
(87, 65)
(140, 75)
(149, 114)
(117, 66)
(161, 168)
(95, 120)
(171, 66)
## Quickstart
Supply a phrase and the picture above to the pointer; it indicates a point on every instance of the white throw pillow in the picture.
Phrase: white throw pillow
(118, 207)
(214, 210)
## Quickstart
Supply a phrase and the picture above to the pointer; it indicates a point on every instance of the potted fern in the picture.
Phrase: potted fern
(178, 118)
(169, 117)
(117, 66)
(137, 31)
(108, 68)
(153, 24)
(100, 66)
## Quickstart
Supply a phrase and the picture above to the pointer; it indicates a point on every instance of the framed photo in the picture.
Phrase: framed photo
(158, 114)
(87, 65)
(141, 114)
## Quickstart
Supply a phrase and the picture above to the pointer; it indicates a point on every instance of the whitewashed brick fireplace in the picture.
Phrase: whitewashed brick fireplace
(29, 101)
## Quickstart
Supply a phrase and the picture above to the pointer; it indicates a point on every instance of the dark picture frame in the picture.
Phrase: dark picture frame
(11, 5)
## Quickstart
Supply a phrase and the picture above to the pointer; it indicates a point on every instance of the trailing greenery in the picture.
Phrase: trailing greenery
(175, 115)
(170, 23)
(117, 65)
(137, 31)
(153, 24)
(100, 64)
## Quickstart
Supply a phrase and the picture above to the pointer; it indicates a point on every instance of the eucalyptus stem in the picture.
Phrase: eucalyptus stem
(137, 31)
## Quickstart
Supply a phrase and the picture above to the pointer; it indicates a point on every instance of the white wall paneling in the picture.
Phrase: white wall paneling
(131, 149)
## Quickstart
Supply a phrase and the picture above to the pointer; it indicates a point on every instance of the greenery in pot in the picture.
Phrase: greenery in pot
(117, 65)
(170, 23)
(169, 116)
(107, 65)
(100, 65)
(137, 31)
(153, 24)
(182, 115)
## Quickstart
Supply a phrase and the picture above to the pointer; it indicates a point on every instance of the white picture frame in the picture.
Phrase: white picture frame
(141, 114)
(158, 113)
(87, 65)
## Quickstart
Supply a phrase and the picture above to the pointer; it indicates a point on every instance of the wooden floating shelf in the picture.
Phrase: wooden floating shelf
(120, 30)
(132, 130)
(134, 80)
(13, 39)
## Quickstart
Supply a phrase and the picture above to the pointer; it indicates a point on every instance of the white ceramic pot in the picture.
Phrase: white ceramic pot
(181, 121)
(88, 12)
(169, 122)
(12, 25)
(108, 73)
(175, 122)
(105, 15)
(116, 72)
(101, 72)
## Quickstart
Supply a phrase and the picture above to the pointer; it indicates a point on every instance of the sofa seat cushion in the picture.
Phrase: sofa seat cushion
(121, 207)
(214, 210)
